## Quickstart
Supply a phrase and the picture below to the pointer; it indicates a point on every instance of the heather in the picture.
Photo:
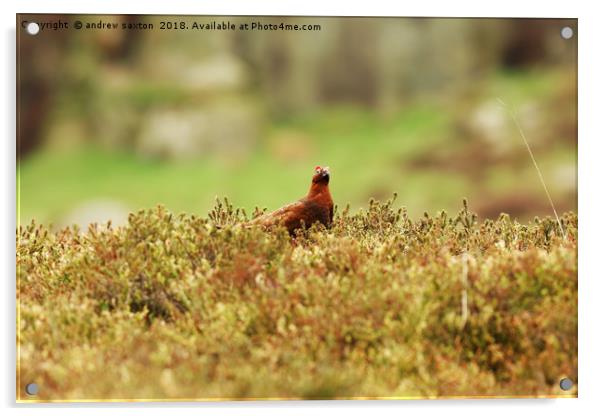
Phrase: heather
(379, 305)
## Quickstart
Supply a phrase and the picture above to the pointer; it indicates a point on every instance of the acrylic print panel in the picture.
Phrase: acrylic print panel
(224, 208)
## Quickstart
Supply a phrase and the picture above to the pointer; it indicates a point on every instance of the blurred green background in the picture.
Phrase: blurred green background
(111, 121)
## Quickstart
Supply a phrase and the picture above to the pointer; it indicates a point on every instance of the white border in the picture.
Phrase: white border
(590, 209)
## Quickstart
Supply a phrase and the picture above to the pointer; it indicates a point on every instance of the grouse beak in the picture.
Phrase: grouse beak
(326, 171)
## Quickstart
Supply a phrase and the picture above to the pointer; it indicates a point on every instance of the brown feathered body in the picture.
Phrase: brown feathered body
(317, 206)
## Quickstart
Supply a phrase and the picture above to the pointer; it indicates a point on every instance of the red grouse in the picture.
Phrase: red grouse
(317, 206)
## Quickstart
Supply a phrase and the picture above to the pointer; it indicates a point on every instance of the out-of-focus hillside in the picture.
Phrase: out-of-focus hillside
(115, 121)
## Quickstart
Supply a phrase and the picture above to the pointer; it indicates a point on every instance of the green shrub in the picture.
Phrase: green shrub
(377, 306)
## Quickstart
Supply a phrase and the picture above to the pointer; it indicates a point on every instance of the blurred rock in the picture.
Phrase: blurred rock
(217, 73)
(230, 129)
(531, 116)
(172, 134)
(204, 109)
(491, 123)
(565, 177)
(96, 211)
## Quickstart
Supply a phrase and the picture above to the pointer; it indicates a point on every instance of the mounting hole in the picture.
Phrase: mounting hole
(32, 28)
(566, 384)
(32, 389)
(566, 32)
